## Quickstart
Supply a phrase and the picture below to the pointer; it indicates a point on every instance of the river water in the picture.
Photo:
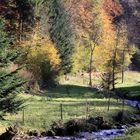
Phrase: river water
(99, 135)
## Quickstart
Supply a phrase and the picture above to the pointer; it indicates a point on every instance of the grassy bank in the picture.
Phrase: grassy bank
(77, 102)
(41, 111)
(131, 134)
(132, 84)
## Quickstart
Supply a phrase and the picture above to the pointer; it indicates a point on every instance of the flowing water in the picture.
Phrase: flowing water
(100, 135)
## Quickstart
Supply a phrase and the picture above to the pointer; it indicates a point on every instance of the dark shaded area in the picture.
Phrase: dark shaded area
(123, 118)
(73, 91)
(134, 92)
(19, 16)
(136, 60)
(9, 134)
(72, 127)
(131, 17)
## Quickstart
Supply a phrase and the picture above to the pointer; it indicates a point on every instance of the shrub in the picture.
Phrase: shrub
(72, 127)
(58, 128)
(42, 59)
(9, 134)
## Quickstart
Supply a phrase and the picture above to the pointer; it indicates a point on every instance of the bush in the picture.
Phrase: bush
(118, 117)
(42, 59)
(58, 128)
(125, 118)
(72, 127)
(9, 134)
(88, 127)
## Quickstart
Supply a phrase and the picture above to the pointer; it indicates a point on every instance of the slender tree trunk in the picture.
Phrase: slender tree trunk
(114, 65)
(123, 60)
(113, 78)
(109, 101)
(65, 75)
(113, 70)
(90, 69)
(90, 65)
(20, 26)
(122, 75)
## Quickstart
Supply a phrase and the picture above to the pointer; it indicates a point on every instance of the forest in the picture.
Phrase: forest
(69, 69)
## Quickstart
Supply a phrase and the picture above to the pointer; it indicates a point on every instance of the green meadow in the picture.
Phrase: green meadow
(75, 101)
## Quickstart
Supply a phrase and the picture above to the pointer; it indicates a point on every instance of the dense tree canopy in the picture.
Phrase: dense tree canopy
(72, 35)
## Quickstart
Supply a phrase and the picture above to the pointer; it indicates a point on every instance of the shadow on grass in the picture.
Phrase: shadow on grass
(134, 93)
(73, 91)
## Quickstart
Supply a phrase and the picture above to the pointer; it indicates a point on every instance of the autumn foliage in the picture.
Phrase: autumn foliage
(70, 35)
(113, 8)
(42, 59)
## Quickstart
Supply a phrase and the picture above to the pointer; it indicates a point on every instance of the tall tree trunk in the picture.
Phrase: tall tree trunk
(90, 69)
(114, 62)
(20, 26)
(113, 69)
(90, 65)
(109, 100)
(122, 75)
(123, 60)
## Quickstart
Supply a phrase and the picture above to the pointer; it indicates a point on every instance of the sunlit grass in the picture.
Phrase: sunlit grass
(131, 78)
(41, 111)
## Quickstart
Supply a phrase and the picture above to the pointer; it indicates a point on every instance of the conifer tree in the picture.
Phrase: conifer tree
(10, 82)
(61, 34)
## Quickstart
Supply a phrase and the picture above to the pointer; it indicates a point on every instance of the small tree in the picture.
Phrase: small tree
(115, 59)
(41, 58)
(87, 25)
(9, 80)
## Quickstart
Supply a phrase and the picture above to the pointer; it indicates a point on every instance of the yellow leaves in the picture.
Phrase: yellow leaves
(39, 51)
(50, 53)
(80, 58)
(101, 55)
(113, 46)
(35, 37)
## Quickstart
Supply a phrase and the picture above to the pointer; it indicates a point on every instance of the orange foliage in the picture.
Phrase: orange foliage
(105, 52)
(80, 13)
(112, 8)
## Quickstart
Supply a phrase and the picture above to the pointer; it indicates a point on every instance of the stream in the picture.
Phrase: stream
(99, 135)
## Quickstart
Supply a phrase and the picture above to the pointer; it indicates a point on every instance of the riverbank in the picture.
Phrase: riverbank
(83, 129)
(99, 135)
(113, 119)
(90, 129)
(77, 102)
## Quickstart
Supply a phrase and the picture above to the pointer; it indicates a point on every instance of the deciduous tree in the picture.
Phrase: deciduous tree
(41, 58)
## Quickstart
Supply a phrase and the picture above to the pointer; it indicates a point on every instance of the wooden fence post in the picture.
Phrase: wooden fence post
(87, 109)
(23, 116)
